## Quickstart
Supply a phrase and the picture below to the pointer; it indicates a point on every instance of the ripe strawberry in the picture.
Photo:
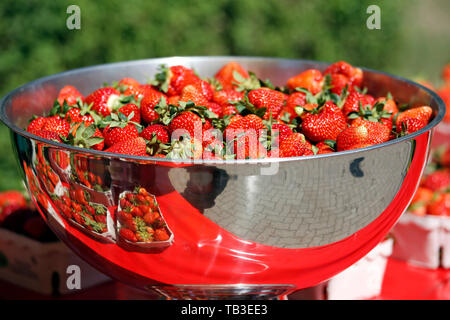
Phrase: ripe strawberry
(161, 234)
(419, 203)
(311, 80)
(161, 132)
(241, 125)
(128, 109)
(103, 100)
(74, 115)
(353, 101)
(214, 107)
(127, 234)
(224, 97)
(176, 78)
(148, 103)
(225, 75)
(57, 125)
(280, 131)
(294, 145)
(362, 132)
(70, 94)
(123, 216)
(114, 135)
(440, 206)
(128, 83)
(173, 100)
(267, 98)
(87, 139)
(194, 94)
(439, 180)
(189, 122)
(134, 147)
(205, 88)
(413, 119)
(296, 98)
(338, 83)
(325, 124)
(323, 147)
(138, 91)
(36, 124)
(353, 74)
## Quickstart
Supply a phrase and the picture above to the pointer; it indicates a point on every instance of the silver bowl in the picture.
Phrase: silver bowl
(238, 228)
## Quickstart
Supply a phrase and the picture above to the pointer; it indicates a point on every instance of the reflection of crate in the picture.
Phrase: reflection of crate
(104, 198)
(422, 240)
(42, 267)
(148, 247)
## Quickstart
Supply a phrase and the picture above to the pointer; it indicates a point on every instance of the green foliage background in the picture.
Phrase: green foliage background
(413, 40)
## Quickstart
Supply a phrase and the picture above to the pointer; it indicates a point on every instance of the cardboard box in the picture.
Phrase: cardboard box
(42, 267)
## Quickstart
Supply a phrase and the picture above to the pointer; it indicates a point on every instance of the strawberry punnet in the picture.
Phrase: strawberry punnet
(233, 115)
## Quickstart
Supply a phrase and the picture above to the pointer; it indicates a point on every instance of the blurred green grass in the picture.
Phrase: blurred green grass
(413, 40)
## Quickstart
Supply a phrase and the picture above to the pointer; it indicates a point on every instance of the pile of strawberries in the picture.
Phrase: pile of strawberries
(233, 115)
(80, 173)
(139, 218)
(75, 206)
(433, 195)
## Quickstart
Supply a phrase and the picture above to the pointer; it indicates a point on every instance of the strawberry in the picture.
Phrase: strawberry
(280, 131)
(354, 75)
(226, 75)
(148, 103)
(413, 119)
(224, 97)
(173, 100)
(362, 132)
(138, 91)
(58, 125)
(128, 109)
(161, 234)
(172, 80)
(114, 135)
(193, 93)
(353, 102)
(295, 99)
(324, 147)
(128, 83)
(161, 132)
(439, 180)
(70, 94)
(85, 135)
(338, 83)
(189, 122)
(241, 125)
(103, 100)
(294, 145)
(267, 98)
(133, 147)
(74, 115)
(36, 124)
(214, 107)
(310, 80)
(127, 234)
(419, 203)
(324, 124)
(440, 206)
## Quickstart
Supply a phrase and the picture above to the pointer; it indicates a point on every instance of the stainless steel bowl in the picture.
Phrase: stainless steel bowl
(238, 228)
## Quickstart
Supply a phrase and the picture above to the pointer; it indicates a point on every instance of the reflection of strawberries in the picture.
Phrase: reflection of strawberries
(440, 206)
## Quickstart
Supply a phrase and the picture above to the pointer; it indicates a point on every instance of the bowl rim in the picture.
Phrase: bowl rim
(167, 60)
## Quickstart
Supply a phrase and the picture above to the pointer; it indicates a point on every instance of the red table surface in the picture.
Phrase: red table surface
(401, 282)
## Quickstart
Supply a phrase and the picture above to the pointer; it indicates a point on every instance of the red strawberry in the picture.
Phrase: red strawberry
(161, 131)
(57, 125)
(128, 109)
(280, 131)
(323, 148)
(250, 123)
(326, 124)
(86, 141)
(127, 234)
(193, 93)
(173, 100)
(114, 135)
(37, 124)
(419, 203)
(224, 97)
(178, 78)
(296, 98)
(103, 100)
(225, 75)
(74, 115)
(148, 103)
(70, 94)
(414, 119)
(439, 180)
(440, 206)
(353, 101)
(129, 83)
(214, 107)
(267, 98)
(353, 74)
(161, 234)
(294, 145)
(362, 132)
(189, 122)
(138, 91)
(338, 83)
(134, 147)
(311, 80)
